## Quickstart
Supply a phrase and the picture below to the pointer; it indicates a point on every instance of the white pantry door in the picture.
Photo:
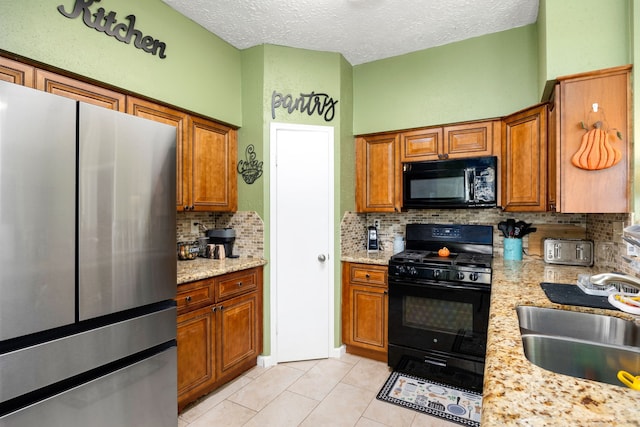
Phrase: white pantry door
(301, 241)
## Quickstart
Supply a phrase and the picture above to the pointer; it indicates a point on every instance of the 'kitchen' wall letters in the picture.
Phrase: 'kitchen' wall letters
(107, 23)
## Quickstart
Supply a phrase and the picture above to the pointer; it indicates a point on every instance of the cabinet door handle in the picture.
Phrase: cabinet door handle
(367, 276)
(188, 298)
(213, 309)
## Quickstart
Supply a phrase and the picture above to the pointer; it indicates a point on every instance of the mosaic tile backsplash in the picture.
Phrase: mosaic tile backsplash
(248, 225)
(609, 249)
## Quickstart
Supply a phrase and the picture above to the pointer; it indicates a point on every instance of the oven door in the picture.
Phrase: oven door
(439, 318)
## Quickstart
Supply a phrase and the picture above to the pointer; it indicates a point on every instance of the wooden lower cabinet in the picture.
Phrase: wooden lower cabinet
(365, 310)
(196, 349)
(217, 341)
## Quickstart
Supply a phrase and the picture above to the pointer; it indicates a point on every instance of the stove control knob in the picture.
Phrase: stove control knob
(460, 275)
(437, 273)
(473, 276)
(413, 271)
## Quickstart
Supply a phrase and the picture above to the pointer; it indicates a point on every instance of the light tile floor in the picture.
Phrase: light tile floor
(326, 392)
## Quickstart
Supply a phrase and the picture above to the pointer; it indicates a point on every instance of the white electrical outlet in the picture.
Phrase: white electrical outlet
(194, 228)
(618, 228)
(376, 223)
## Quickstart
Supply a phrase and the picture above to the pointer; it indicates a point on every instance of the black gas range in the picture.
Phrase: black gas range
(439, 305)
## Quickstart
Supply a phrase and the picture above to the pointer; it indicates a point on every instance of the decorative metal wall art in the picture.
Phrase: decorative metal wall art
(311, 103)
(107, 23)
(250, 169)
(596, 150)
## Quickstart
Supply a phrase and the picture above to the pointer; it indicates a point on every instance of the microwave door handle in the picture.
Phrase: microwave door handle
(469, 184)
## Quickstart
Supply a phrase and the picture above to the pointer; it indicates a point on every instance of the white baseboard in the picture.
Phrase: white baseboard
(338, 352)
(268, 361)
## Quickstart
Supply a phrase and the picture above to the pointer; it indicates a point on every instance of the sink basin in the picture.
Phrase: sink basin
(582, 345)
(572, 324)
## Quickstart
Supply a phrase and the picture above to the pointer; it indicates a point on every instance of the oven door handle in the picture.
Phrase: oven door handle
(462, 287)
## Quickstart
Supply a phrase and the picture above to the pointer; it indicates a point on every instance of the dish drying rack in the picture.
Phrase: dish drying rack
(606, 289)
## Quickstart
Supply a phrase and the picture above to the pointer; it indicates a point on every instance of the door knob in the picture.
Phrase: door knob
(322, 258)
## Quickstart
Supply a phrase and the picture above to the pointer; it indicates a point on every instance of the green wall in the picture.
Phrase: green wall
(585, 35)
(483, 77)
(293, 71)
(200, 73)
(479, 78)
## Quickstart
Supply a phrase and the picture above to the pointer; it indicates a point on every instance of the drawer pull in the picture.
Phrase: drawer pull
(367, 276)
(188, 298)
(239, 284)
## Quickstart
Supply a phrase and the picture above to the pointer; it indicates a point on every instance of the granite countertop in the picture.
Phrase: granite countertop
(203, 268)
(517, 392)
(364, 257)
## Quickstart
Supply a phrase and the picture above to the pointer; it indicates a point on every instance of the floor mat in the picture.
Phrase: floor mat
(432, 398)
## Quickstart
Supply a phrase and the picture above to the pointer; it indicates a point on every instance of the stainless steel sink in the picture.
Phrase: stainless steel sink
(572, 324)
(582, 345)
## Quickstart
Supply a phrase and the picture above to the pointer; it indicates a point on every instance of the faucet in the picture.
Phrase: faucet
(604, 278)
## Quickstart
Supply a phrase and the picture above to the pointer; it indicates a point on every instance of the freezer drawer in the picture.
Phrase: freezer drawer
(32, 368)
(127, 213)
(143, 395)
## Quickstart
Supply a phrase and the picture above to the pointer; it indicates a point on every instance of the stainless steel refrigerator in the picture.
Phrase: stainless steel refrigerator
(87, 265)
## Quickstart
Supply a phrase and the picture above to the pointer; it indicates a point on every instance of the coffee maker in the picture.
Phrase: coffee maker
(223, 236)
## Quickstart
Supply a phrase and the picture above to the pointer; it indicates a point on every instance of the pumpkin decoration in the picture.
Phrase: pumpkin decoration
(596, 151)
(444, 252)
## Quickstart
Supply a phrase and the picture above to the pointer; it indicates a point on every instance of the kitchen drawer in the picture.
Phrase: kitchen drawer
(195, 295)
(236, 283)
(368, 274)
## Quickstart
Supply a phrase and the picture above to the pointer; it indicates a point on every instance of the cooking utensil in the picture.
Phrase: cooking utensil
(511, 224)
(502, 226)
(629, 380)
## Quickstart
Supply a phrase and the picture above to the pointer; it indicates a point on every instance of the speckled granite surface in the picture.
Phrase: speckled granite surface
(364, 257)
(203, 268)
(519, 393)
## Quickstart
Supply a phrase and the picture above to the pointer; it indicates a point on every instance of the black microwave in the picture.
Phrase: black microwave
(450, 184)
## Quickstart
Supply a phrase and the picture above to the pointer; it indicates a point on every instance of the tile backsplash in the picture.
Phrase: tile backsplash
(249, 228)
(609, 248)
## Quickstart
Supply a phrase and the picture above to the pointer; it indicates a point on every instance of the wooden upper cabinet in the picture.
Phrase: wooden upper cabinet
(16, 72)
(524, 160)
(469, 139)
(604, 190)
(149, 110)
(451, 142)
(421, 145)
(206, 153)
(80, 91)
(378, 174)
(553, 151)
(210, 161)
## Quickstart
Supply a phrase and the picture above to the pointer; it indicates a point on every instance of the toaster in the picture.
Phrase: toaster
(568, 251)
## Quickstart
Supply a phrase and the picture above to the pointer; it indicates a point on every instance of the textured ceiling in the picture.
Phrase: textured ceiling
(361, 30)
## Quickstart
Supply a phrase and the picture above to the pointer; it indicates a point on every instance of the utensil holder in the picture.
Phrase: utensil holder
(513, 249)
